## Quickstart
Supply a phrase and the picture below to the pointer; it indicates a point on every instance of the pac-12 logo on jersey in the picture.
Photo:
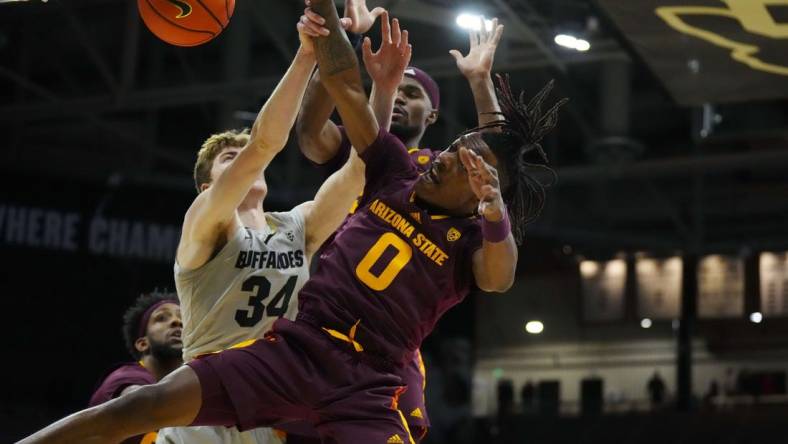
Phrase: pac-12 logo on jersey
(453, 234)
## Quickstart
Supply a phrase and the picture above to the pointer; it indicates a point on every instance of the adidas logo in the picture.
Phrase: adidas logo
(416, 413)
(395, 439)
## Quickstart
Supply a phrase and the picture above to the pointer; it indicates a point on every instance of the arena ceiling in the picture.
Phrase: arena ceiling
(670, 141)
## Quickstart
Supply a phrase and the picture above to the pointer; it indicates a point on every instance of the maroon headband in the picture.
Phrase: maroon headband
(426, 82)
(146, 316)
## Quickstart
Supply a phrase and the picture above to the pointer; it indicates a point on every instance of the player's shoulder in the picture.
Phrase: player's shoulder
(283, 217)
(461, 232)
(130, 371)
(286, 220)
(422, 157)
(387, 140)
(117, 378)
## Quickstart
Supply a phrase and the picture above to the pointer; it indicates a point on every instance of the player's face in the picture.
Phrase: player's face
(445, 184)
(225, 158)
(412, 110)
(165, 328)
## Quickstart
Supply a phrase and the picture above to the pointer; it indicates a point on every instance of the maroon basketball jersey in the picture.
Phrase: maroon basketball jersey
(393, 269)
(124, 375)
(113, 384)
(421, 157)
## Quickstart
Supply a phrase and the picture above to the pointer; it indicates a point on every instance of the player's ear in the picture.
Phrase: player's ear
(204, 187)
(142, 345)
(432, 117)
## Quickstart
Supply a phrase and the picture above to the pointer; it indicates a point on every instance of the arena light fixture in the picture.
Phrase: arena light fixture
(473, 22)
(756, 317)
(646, 323)
(572, 42)
(534, 327)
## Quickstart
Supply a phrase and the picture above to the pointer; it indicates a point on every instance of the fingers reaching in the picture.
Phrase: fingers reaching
(478, 170)
(396, 33)
(483, 34)
(474, 38)
(377, 12)
(366, 50)
(385, 27)
(311, 24)
(498, 32)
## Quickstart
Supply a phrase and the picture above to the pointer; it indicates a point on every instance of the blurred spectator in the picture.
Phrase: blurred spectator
(505, 398)
(528, 396)
(712, 393)
(656, 390)
(729, 383)
(744, 383)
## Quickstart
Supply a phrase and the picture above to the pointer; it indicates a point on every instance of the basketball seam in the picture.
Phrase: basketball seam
(177, 25)
(211, 13)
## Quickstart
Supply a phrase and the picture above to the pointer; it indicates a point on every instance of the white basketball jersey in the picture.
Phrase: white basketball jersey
(251, 282)
(237, 296)
(216, 435)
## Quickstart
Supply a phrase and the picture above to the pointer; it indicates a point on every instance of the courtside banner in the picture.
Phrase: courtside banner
(774, 283)
(710, 51)
(720, 287)
(603, 290)
(659, 287)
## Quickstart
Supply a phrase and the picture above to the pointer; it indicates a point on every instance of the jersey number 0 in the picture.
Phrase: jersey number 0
(384, 279)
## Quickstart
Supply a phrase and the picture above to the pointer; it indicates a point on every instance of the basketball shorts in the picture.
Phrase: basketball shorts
(297, 372)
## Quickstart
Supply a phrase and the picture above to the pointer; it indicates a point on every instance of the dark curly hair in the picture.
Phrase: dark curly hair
(515, 139)
(133, 316)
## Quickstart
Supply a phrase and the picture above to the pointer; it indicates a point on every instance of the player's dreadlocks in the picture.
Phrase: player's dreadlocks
(133, 316)
(517, 146)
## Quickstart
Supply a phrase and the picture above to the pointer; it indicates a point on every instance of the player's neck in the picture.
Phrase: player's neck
(160, 368)
(413, 142)
(407, 138)
(252, 214)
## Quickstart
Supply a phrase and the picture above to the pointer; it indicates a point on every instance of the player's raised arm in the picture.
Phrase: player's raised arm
(476, 67)
(319, 138)
(387, 67)
(340, 75)
(495, 263)
(214, 210)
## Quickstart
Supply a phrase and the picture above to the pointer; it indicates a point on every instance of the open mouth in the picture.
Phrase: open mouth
(432, 175)
(176, 334)
(398, 112)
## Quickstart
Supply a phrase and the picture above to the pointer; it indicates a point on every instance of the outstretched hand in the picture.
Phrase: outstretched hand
(386, 66)
(361, 16)
(483, 179)
(480, 57)
(311, 25)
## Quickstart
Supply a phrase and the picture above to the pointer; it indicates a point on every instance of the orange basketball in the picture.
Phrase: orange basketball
(186, 22)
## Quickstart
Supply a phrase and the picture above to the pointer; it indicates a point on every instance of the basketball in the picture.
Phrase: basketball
(186, 22)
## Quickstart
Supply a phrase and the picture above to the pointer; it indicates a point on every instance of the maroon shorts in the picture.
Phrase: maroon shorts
(298, 372)
(411, 402)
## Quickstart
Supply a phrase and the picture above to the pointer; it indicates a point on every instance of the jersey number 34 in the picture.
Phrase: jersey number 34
(260, 287)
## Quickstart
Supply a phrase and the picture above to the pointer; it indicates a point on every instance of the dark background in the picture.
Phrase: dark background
(101, 118)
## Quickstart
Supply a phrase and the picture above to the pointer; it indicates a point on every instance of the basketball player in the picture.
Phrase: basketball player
(213, 323)
(383, 282)
(416, 108)
(152, 332)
